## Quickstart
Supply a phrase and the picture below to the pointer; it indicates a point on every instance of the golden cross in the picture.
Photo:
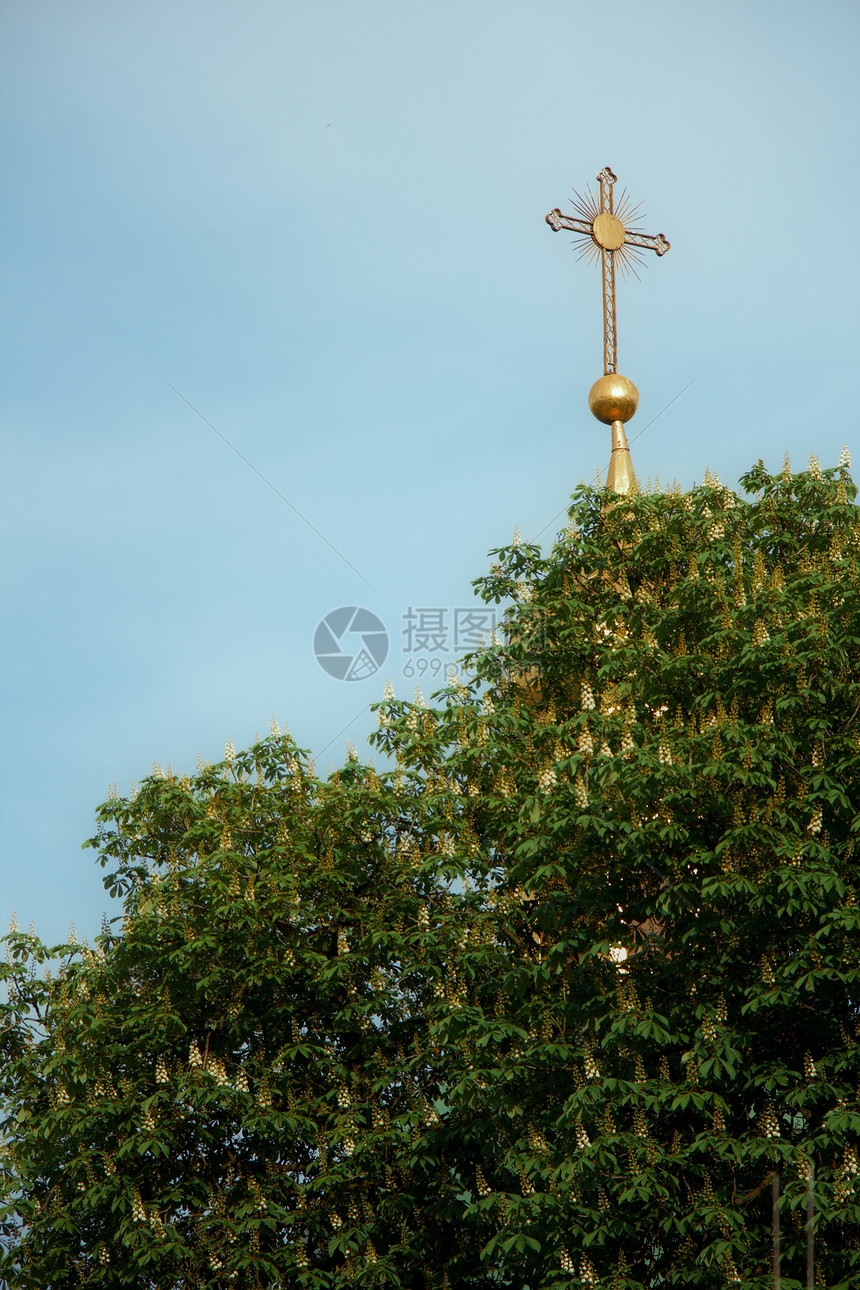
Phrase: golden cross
(612, 234)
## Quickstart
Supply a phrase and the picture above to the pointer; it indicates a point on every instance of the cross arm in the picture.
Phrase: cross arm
(557, 221)
(650, 241)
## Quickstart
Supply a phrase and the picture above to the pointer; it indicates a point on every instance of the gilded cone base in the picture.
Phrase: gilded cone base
(621, 477)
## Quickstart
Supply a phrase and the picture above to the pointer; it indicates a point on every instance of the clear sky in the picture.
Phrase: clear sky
(322, 222)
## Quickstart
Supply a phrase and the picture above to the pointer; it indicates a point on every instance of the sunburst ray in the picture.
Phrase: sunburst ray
(588, 251)
(624, 210)
(586, 205)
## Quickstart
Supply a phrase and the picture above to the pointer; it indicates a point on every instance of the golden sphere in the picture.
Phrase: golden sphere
(613, 398)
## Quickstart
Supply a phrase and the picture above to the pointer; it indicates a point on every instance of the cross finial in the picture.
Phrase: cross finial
(610, 233)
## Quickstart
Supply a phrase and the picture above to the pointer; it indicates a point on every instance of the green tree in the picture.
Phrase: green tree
(673, 800)
(236, 1088)
(553, 1002)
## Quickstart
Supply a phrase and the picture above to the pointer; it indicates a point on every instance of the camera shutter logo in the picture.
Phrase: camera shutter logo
(351, 643)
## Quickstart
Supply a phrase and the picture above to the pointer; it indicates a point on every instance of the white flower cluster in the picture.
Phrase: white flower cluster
(216, 1069)
(769, 1122)
(844, 1182)
(537, 1141)
(730, 1271)
(587, 1272)
(505, 783)
(760, 634)
(547, 778)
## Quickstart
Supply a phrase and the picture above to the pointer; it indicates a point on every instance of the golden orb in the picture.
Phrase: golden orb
(613, 398)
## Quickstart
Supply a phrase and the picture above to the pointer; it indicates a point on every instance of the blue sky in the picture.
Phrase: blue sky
(323, 224)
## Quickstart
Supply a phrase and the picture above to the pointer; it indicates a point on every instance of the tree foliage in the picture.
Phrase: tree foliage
(552, 1002)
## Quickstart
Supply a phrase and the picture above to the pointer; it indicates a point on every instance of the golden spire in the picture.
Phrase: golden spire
(611, 234)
